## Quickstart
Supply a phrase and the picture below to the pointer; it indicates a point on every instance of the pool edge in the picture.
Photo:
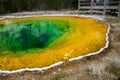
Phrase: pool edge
(61, 62)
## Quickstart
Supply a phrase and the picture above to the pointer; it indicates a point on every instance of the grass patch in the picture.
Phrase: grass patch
(88, 71)
(113, 20)
(58, 77)
(114, 69)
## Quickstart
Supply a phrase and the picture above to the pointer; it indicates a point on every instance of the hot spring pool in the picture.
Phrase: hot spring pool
(37, 42)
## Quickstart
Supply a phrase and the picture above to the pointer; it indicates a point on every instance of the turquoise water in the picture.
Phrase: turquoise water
(24, 35)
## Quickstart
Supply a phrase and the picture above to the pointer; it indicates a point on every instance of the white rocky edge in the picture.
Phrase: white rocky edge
(61, 62)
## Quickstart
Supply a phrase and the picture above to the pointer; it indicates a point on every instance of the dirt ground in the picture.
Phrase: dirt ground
(103, 66)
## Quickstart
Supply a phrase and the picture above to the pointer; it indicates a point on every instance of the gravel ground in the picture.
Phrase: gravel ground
(103, 66)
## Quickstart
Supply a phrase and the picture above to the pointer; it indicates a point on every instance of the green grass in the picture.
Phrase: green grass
(58, 77)
(113, 69)
(114, 20)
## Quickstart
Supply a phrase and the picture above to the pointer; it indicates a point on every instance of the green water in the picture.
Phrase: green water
(26, 35)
